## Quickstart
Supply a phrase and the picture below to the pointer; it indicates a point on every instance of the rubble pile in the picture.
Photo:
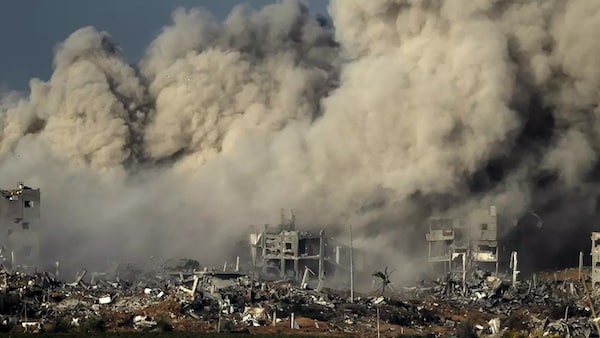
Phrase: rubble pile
(191, 299)
(548, 306)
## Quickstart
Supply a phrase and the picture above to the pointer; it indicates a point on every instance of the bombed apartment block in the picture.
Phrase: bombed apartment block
(484, 236)
(285, 252)
(457, 242)
(19, 218)
(596, 259)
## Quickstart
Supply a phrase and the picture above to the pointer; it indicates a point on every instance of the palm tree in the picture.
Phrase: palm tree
(385, 278)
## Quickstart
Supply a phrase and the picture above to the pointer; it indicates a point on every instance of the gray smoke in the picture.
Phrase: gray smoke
(401, 109)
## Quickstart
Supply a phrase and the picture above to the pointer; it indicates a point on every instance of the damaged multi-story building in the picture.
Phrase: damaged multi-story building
(595, 259)
(19, 219)
(457, 243)
(286, 252)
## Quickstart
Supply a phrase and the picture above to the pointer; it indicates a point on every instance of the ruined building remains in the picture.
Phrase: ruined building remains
(456, 243)
(596, 259)
(285, 252)
(19, 218)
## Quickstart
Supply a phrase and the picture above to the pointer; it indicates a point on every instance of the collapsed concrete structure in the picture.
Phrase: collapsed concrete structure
(595, 259)
(457, 243)
(286, 252)
(19, 219)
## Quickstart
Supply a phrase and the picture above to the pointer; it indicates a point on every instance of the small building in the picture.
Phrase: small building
(456, 243)
(19, 219)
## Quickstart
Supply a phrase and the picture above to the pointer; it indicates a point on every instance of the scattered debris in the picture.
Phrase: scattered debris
(209, 301)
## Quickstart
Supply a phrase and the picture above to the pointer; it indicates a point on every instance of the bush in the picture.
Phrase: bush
(466, 329)
(163, 323)
(94, 325)
(60, 326)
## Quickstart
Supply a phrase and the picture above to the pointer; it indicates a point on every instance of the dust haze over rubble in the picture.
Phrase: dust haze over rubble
(395, 110)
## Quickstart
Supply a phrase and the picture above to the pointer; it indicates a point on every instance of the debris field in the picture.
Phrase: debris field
(205, 300)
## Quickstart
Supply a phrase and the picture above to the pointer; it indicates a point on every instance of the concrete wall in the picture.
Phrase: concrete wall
(19, 223)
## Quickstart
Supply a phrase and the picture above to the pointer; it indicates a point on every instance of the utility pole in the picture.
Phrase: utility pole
(580, 264)
(351, 268)
(514, 267)
(378, 330)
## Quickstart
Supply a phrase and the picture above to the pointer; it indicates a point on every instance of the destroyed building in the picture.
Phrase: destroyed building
(455, 243)
(19, 219)
(286, 252)
(595, 259)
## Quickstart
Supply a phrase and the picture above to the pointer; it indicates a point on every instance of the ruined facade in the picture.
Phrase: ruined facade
(19, 219)
(456, 243)
(286, 252)
(596, 259)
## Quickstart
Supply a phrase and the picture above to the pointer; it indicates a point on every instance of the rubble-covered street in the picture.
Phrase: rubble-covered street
(191, 300)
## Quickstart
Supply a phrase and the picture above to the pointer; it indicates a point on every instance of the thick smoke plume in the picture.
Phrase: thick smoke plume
(397, 110)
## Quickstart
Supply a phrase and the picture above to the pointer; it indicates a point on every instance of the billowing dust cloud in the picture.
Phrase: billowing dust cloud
(394, 110)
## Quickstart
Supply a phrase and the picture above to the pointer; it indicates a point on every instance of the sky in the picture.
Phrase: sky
(29, 29)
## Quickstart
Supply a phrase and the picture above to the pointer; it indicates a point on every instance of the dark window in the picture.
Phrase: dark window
(28, 204)
(25, 225)
(484, 226)
(288, 246)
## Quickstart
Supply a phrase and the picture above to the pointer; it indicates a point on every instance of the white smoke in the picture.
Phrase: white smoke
(397, 110)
